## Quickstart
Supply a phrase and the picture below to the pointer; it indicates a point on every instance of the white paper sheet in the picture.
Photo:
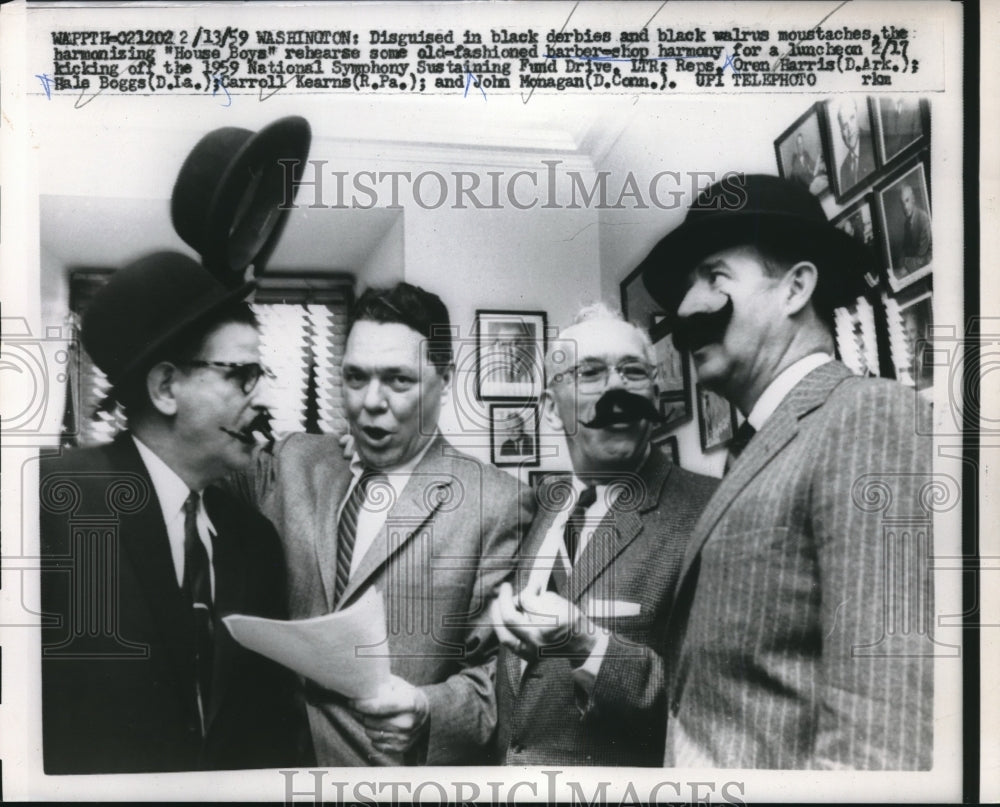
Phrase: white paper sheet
(337, 651)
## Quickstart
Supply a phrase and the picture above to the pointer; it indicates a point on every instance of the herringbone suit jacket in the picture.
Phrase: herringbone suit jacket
(448, 540)
(633, 559)
(800, 633)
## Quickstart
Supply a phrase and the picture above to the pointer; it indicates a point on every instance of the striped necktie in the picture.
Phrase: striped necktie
(198, 588)
(347, 530)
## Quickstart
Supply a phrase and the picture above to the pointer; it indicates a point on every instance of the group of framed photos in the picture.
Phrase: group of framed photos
(510, 376)
(871, 155)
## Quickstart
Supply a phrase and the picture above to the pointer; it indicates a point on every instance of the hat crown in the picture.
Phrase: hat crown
(146, 304)
(757, 194)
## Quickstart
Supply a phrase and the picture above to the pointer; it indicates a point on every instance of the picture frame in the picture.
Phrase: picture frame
(673, 380)
(801, 152)
(911, 323)
(669, 444)
(510, 355)
(902, 125)
(536, 478)
(906, 238)
(860, 222)
(717, 421)
(514, 435)
(847, 119)
(638, 307)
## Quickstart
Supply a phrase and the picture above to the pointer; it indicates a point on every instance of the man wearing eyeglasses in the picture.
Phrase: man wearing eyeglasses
(429, 528)
(143, 555)
(578, 679)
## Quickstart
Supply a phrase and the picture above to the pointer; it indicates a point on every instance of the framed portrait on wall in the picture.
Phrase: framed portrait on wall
(902, 124)
(859, 221)
(669, 444)
(904, 212)
(514, 434)
(852, 147)
(911, 320)
(801, 152)
(638, 307)
(673, 378)
(510, 354)
(716, 419)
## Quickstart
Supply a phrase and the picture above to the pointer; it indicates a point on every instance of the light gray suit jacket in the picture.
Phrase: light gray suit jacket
(800, 635)
(448, 540)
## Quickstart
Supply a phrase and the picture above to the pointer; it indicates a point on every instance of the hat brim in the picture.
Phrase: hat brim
(842, 261)
(248, 210)
(190, 319)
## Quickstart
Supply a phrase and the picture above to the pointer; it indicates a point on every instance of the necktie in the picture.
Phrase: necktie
(743, 436)
(347, 530)
(198, 587)
(575, 522)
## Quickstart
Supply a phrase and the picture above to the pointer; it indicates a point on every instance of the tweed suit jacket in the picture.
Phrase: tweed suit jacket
(800, 633)
(118, 642)
(634, 557)
(448, 540)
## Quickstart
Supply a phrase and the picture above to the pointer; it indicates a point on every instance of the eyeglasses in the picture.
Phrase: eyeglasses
(245, 374)
(593, 375)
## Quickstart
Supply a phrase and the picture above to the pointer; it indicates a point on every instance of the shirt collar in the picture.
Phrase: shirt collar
(403, 470)
(785, 382)
(170, 489)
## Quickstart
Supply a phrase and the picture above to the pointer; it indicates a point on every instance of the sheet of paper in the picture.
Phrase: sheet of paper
(338, 651)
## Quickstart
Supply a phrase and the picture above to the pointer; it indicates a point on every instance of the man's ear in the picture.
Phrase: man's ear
(551, 412)
(447, 375)
(801, 283)
(160, 387)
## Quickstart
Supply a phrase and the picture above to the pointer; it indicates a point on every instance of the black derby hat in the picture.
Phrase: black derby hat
(228, 202)
(146, 305)
(765, 211)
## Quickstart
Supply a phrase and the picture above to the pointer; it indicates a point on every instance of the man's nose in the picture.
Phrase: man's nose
(374, 396)
(700, 299)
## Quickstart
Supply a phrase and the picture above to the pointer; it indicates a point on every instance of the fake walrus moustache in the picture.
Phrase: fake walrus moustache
(621, 406)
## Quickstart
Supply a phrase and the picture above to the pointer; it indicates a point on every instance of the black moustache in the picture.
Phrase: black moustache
(261, 424)
(621, 406)
(697, 330)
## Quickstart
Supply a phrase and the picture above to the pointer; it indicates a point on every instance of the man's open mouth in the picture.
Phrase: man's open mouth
(374, 433)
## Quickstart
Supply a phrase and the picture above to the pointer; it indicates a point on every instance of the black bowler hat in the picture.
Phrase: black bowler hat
(144, 306)
(765, 211)
(229, 203)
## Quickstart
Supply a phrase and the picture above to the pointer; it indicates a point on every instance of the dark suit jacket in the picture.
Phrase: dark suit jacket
(118, 669)
(448, 540)
(634, 556)
(800, 634)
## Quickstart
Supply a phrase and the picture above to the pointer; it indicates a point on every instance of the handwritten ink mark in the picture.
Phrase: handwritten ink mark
(479, 85)
(260, 91)
(46, 80)
(525, 100)
(774, 64)
(220, 83)
(727, 63)
(80, 103)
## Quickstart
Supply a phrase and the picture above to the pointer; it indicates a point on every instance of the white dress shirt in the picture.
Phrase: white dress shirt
(171, 491)
(371, 520)
(553, 550)
(778, 389)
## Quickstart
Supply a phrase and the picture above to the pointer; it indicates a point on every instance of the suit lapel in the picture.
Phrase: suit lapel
(428, 487)
(779, 430)
(620, 525)
(145, 546)
(229, 564)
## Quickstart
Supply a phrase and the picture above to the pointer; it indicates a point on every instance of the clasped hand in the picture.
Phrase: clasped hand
(395, 718)
(527, 622)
